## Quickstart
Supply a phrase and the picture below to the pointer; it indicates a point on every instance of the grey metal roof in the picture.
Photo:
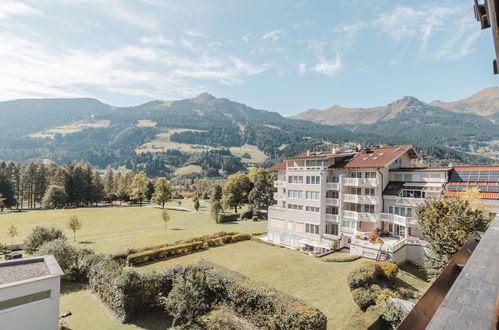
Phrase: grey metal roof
(28, 269)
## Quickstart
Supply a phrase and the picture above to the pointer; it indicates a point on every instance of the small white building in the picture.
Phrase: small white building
(29, 293)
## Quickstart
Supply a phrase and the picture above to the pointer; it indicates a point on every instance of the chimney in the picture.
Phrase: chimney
(308, 152)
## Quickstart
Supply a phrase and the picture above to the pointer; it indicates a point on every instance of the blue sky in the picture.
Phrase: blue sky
(285, 56)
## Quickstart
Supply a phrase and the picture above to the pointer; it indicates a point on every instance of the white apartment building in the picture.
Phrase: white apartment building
(345, 195)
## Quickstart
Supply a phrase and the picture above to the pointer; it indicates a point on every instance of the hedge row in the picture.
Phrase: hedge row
(231, 217)
(184, 248)
(130, 295)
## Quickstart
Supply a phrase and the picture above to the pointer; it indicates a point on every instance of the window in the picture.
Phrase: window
(296, 179)
(295, 193)
(333, 179)
(356, 174)
(370, 175)
(311, 229)
(399, 210)
(413, 193)
(295, 207)
(398, 177)
(313, 179)
(369, 191)
(407, 177)
(332, 229)
(312, 195)
(356, 207)
(368, 208)
(356, 191)
(22, 300)
(312, 209)
(332, 194)
(315, 163)
(332, 210)
(349, 224)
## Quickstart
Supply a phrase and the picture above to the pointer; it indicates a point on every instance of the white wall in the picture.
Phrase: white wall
(42, 314)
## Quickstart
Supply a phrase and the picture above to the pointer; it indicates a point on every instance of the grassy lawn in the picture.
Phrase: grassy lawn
(256, 154)
(187, 170)
(115, 229)
(322, 284)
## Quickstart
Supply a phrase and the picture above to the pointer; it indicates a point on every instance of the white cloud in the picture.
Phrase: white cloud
(428, 26)
(302, 68)
(246, 37)
(194, 33)
(328, 67)
(156, 40)
(273, 35)
(9, 9)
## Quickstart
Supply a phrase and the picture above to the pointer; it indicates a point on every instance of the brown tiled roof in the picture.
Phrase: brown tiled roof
(281, 166)
(376, 157)
(484, 195)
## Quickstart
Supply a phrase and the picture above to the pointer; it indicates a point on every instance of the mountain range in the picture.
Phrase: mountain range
(209, 136)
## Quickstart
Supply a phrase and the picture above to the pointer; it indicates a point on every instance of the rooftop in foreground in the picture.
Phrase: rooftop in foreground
(28, 269)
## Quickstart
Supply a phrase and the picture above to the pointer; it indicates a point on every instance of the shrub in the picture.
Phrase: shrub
(385, 294)
(247, 214)
(364, 297)
(393, 313)
(224, 218)
(340, 257)
(150, 255)
(41, 235)
(65, 253)
(255, 218)
(388, 270)
(335, 245)
(224, 318)
(363, 276)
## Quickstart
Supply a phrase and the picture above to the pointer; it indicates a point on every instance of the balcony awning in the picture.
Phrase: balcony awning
(423, 185)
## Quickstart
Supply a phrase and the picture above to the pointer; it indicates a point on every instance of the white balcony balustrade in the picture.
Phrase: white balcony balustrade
(332, 217)
(399, 219)
(409, 201)
(361, 216)
(332, 186)
(278, 184)
(360, 199)
(278, 196)
(359, 182)
(332, 202)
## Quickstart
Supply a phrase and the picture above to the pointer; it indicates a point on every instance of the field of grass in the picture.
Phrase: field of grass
(187, 170)
(256, 154)
(115, 229)
(162, 142)
(322, 284)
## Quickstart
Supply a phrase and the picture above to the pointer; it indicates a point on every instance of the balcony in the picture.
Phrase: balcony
(358, 182)
(329, 236)
(332, 186)
(360, 199)
(391, 245)
(332, 217)
(278, 184)
(332, 202)
(409, 201)
(278, 196)
(361, 216)
(307, 168)
(399, 219)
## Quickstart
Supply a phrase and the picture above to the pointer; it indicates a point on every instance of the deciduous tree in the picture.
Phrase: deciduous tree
(261, 195)
(165, 216)
(162, 192)
(236, 190)
(138, 187)
(12, 231)
(74, 224)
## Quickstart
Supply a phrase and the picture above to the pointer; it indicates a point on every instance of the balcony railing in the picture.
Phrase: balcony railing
(332, 186)
(389, 248)
(358, 182)
(329, 236)
(332, 201)
(409, 201)
(279, 184)
(332, 217)
(361, 216)
(307, 168)
(399, 219)
(360, 199)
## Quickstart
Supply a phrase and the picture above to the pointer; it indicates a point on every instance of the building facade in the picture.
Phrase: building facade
(345, 195)
(29, 293)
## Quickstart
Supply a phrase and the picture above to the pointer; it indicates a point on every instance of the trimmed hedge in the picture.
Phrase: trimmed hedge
(340, 257)
(131, 295)
(365, 297)
(388, 270)
(230, 217)
(184, 248)
(363, 276)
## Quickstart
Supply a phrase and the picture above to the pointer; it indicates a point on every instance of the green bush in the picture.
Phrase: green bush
(65, 253)
(393, 313)
(230, 217)
(161, 253)
(388, 270)
(247, 215)
(363, 276)
(364, 297)
(255, 218)
(224, 318)
(340, 257)
(41, 235)
(183, 248)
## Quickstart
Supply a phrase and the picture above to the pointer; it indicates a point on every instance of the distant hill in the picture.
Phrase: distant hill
(484, 103)
(210, 137)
